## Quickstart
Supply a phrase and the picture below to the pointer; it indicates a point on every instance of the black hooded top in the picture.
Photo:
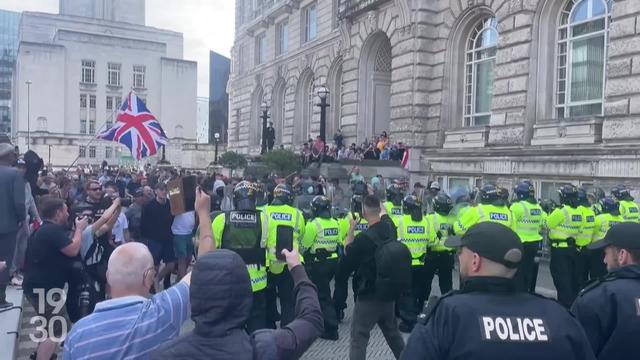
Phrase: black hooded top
(221, 300)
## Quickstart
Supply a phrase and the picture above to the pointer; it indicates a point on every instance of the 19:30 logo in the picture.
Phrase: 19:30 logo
(52, 301)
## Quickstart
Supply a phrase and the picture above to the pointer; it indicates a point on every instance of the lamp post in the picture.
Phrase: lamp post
(323, 93)
(265, 116)
(28, 82)
(216, 136)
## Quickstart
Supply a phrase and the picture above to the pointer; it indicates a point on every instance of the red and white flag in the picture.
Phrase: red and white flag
(405, 159)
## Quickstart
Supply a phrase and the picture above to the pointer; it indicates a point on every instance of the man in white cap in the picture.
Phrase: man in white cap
(12, 213)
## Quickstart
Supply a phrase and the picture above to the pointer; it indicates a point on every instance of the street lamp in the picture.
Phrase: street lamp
(28, 82)
(323, 93)
(265, 116)
(216, 136)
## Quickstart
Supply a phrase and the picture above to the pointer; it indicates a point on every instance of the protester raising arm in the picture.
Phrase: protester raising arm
(205, 240)
(73, 249)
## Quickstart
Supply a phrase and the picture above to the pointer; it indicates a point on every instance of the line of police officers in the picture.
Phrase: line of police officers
(259, 231)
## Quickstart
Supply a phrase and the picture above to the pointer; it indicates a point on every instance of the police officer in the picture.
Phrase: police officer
(242, 231)
(285, 229)
(628, 208)
(586, 234)
(564, 226)
(598, 195)
(486, 211)
(345, 267)
(608, 307)
(609, 217)
(261, 195)
(439, 258)
(528, 222)
(414, 232)
(461, 202)
(488, 318)
(320, 246)
(393, 205)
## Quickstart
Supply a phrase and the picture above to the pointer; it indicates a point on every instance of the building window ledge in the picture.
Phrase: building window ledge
(88, 86)
(469, 137)
(114, 87)
(586, 130)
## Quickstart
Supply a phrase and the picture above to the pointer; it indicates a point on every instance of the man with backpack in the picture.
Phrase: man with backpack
(383, 271)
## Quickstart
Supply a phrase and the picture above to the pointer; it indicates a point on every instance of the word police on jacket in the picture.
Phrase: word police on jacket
(514, 329)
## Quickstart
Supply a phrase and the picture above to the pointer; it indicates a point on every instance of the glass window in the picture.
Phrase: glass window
(88, 71)
(83, 126)
(549, 190)
(480, 60)
(139, 76)
(83, 101)
(113, 74)
(92, 152)
(108, 151)
(261, 49)
(109, 102)
(581, 58)
(92, 126)
(311, 25)
(82, 151)
(283, 37)
(92, 101)
(458, 183)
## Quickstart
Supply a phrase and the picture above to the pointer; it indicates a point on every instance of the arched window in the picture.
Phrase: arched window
(581, 56)
(305, 101)
(479, 72)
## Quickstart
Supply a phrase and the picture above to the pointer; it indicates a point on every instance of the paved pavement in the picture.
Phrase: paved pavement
(321, 349)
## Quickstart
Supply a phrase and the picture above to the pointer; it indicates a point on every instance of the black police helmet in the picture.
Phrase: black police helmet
(488, 194)
(620, 192)
(598, 193)
(610, 206)
(503, 197)
(442, 203)
(394, 194)
(583, 198)
(261, 196)
(548, 205)
(460, 195)
(524, 190)
(321, 206)
(568, 195)
(244, 196)
(282, 195)
(411, 204)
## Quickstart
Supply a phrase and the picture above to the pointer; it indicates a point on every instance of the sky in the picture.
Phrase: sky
(205, 24)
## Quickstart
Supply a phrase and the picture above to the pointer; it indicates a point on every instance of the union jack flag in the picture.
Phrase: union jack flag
(136, 128)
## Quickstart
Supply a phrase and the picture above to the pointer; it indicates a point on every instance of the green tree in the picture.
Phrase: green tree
(232, 160)
(283, 162)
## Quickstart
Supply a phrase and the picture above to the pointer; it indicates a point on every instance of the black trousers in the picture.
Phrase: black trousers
(528, 269)
(7, 250)
(440, 263)
(258, 316)
(566, 273)
(597, 267)
(280, 286)
(321, 274)
(584, 264)
(411, 302)
(341, 287)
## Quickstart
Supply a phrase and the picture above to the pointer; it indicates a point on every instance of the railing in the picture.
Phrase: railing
(351, 8)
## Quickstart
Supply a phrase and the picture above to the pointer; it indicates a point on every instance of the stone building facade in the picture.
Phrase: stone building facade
(481, 90)
(81, 63)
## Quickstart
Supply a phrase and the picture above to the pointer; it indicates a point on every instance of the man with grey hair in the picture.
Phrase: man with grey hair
(12, 213)
(488, 317)
(132, 324)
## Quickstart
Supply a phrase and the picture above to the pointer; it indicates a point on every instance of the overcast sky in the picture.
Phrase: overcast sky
(206, 25)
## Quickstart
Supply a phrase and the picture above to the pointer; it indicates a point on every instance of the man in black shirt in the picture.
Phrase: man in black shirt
(155, 226)
(369, 310)
(50, 256)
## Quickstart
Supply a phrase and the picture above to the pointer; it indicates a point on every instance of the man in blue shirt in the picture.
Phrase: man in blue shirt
(131, 325)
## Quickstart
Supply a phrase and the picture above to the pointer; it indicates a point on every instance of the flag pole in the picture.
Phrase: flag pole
(95, 135)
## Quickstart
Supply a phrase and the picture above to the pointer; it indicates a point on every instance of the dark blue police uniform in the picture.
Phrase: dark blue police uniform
(609, 311)
(489, 319)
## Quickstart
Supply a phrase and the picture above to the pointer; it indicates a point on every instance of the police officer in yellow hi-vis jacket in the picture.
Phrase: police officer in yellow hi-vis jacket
(322, 237)
(564, 226)
(491, 208)
(528, 223)
(393, 205)
(586, 235)
(628, 208)
(243, 231)
(414, 232)
(285, 229)
(608, 218)
(439, 258)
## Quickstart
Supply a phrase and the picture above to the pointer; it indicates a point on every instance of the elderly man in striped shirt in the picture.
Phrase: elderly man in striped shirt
(132, 324)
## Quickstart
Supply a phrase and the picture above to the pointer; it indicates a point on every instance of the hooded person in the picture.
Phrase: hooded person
(220, 306)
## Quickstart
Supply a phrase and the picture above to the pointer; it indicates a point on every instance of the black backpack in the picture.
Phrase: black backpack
(393, 269)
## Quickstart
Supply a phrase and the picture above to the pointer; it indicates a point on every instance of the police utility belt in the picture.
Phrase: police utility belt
(570, 242)
(320, 255)
(245, 235)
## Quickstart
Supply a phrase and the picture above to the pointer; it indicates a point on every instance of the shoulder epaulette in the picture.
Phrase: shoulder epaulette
(432, 305)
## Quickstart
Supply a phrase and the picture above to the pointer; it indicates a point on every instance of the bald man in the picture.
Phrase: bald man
(132, 324)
